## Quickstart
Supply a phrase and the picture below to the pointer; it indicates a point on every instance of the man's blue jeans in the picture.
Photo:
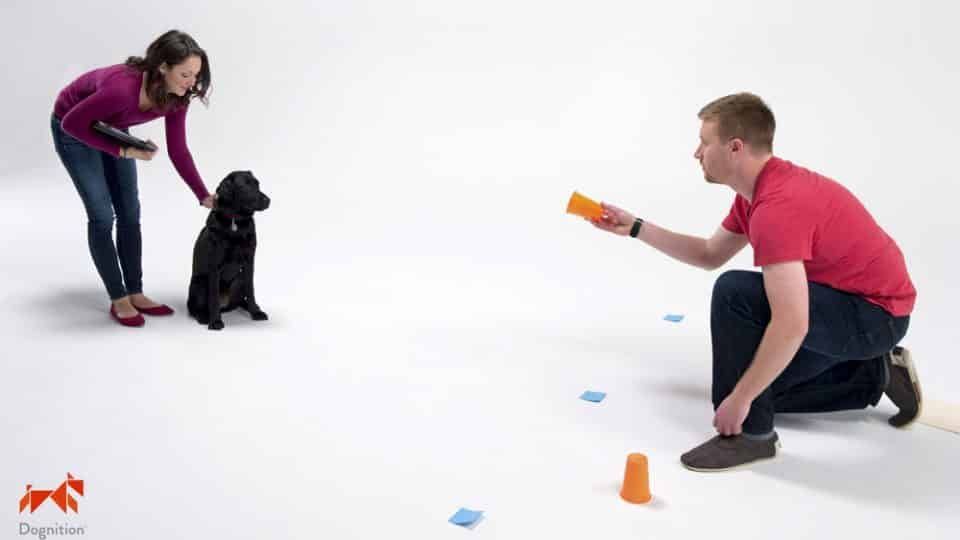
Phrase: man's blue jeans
(839, 365)
(106, 184)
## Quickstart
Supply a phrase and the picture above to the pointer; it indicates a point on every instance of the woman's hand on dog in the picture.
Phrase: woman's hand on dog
(209, 201)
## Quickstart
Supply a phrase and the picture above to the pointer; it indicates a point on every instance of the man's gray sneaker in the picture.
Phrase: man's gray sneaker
(727, 452)
(903, 387)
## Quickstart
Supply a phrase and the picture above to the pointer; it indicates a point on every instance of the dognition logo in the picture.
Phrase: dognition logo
(63, 497)
(60, 496)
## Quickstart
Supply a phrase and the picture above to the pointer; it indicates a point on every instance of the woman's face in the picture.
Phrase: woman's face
(180, 78)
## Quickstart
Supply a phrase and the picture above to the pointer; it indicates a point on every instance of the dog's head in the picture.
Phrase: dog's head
(239, 193)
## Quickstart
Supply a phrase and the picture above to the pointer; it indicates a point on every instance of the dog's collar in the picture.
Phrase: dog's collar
(233, 219)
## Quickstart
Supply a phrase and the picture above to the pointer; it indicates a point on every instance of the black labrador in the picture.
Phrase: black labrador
(223, 255)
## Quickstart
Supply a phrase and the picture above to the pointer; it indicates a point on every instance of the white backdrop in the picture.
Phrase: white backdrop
(432, 308)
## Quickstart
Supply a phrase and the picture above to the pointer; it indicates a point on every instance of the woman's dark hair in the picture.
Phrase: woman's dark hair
(172, 48)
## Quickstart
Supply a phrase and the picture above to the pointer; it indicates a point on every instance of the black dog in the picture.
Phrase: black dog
(223, 256)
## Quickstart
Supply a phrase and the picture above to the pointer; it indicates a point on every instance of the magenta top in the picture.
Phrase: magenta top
(112, 95)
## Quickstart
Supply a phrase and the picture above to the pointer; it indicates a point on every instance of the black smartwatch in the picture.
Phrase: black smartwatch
(635, 230)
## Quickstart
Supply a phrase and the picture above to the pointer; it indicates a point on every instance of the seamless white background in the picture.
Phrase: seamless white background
(434, 313)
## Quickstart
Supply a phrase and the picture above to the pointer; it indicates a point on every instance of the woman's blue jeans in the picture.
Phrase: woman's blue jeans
(107, 186)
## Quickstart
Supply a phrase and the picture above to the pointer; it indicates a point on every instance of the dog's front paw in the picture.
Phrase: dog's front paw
(216, 325)
(259, 316)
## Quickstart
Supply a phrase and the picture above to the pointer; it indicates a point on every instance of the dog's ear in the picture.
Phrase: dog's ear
(226, 191)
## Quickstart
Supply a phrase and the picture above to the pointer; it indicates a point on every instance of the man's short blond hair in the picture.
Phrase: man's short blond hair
(742, 116)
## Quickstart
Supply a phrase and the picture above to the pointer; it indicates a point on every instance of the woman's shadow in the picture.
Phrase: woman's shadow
(70, 309)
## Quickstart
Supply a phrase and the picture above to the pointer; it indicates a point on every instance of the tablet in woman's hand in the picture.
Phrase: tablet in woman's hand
(123, 137)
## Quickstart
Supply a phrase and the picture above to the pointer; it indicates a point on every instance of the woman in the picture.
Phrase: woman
(174, 71)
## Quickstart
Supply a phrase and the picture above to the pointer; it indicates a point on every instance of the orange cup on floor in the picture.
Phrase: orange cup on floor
(584, 206)
(636, 480)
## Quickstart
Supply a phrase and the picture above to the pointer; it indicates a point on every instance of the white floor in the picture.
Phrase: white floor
(417, 361)
(434, 314)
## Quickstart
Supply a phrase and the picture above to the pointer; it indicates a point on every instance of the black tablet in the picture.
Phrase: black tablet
(122, 137)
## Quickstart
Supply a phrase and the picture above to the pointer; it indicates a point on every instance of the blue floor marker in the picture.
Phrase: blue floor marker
(466, 517)
(595, 397)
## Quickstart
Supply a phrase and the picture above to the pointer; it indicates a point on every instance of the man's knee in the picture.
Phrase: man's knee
(742, 291)
(733, 282)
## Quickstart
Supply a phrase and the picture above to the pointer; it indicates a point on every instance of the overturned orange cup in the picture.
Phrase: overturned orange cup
(584, 206)
(636, 480)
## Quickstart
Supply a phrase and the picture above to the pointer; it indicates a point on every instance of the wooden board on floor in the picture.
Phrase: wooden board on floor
(940, 414)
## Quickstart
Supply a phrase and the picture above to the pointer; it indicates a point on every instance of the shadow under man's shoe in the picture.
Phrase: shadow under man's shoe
(727, 452)
(903, 387)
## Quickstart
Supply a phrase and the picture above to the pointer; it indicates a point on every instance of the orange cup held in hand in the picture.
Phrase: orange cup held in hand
(584, 206)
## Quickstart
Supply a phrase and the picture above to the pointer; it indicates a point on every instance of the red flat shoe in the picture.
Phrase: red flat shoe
(136, 320)
(160, 310)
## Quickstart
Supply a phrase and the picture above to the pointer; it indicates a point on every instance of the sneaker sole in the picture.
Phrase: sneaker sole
(906, 361)
(747, 464)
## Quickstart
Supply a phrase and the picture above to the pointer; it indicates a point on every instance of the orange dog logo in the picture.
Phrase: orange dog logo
(60, 496)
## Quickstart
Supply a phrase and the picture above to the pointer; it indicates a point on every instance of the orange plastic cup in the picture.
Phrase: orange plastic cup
(584, 206)
(636, 480)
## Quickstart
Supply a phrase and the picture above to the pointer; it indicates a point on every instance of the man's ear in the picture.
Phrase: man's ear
(736, 145)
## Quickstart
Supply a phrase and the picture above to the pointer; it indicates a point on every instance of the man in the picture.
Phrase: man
(816, 330)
